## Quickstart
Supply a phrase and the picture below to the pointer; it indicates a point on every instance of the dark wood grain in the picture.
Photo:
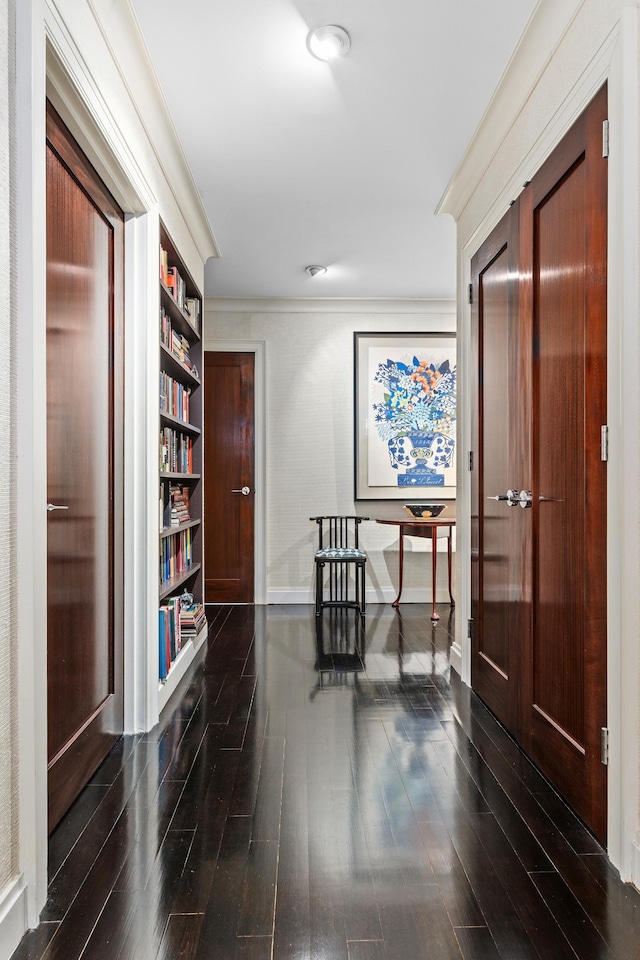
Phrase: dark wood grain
(382, 814)
(229, 466)
(85, 428)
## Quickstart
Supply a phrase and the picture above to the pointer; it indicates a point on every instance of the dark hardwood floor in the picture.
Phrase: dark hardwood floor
(329, 797)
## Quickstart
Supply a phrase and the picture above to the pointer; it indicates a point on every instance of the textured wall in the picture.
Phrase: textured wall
(8, 699)
(310, 437)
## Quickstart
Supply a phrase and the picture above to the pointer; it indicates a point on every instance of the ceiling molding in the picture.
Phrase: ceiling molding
(122, 33)
(330, 305)
(547, 26)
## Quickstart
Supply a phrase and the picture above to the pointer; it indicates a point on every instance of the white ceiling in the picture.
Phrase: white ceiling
(342, 163)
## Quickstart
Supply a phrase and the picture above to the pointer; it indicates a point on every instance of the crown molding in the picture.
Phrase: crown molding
(547, 26)
(416, 305)
(122, 37)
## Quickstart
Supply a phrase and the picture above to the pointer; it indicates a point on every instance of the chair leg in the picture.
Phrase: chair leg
(319, 579)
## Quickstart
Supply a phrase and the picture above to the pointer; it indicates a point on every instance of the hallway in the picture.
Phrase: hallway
(324, 798)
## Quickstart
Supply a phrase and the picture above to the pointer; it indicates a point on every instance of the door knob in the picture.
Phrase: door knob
(525, 499)
(55, 506)
(245, 491)
(511, 497)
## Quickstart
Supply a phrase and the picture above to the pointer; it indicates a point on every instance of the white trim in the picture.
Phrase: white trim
(130, 57)
(617, 61)
(623, 510)
(259, 348)
(286, 595)
(329, 305)
(13, 916)
(551, 18)
(179, 667)
(31, 459)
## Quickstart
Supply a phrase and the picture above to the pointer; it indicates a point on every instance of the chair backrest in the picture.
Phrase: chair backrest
(338, 531)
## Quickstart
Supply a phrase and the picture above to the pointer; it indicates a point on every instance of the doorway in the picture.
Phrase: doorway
(229, 485)
(85, 244)
(539, 606)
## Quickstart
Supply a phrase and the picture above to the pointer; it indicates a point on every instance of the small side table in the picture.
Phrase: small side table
(427, 528)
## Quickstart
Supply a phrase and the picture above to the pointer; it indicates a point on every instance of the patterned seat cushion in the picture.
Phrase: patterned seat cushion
(340, 553)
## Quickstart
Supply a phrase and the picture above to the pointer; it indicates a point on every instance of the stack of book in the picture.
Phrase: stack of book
(192, 620)
(179, 504)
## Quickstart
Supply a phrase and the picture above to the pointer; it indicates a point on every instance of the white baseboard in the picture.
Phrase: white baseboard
(635, 878)
(13, 916)
(455, 657)
(383, 595)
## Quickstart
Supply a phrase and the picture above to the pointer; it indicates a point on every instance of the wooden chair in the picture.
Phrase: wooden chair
(339, 550)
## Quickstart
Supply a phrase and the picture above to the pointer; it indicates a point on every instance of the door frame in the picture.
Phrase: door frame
(259, 349)
(617, 63)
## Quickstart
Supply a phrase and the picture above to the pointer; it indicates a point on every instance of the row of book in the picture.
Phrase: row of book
(174, 341)
(176, 452)
(177, 286)
(173, 505)
(174, 397)
(176, 625)
(170, 636)
(176, 555)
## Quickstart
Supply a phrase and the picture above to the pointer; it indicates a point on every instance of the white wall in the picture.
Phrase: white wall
(67, 49)
(570, 49)
(8, 574)
(309, 434)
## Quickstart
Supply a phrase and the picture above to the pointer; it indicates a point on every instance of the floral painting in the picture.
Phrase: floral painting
(405, 415)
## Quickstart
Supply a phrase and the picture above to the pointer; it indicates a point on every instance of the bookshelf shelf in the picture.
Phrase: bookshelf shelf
(180, 425)
(180, 490)
(176, 368)
(171, 475)
(169, 587)
(171, 531)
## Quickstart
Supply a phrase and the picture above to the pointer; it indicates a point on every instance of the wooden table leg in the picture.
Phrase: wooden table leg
(434, 570)
(400, 567)
(453, 603)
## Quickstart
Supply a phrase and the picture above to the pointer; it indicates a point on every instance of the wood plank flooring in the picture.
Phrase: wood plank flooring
(318, 791)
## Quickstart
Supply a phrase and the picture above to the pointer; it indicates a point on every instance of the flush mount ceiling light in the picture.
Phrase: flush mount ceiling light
(315, 270)
(327, 43)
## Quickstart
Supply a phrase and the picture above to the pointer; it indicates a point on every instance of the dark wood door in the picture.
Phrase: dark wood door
(539, 581)
(500, 534)
(565, 209)
(229, 496)
(84, 469)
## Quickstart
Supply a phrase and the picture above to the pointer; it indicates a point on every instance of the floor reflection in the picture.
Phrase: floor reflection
(323, 789)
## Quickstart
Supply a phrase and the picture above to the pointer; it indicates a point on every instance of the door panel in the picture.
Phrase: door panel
(229, 466)
(539, 586)
(84, 309)
(568, 198)
(498, 535)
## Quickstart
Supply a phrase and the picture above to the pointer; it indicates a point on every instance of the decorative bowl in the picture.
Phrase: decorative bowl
(426, 511)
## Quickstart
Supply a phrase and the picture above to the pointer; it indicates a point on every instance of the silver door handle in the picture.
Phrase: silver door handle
(511, 497)
(55, 506)
(245, 491)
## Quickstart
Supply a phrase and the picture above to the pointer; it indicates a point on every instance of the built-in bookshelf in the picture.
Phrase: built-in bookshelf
(181, 630)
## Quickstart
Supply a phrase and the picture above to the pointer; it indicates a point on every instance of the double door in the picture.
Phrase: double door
(539, 482)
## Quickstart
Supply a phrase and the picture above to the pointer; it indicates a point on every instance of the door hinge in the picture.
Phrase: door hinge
(470, 293)
(604, 745)
(469, 629)
(470, 459)
(604, 442)
(605, 138)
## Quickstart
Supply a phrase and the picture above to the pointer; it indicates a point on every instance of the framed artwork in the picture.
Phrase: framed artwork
(405, 416)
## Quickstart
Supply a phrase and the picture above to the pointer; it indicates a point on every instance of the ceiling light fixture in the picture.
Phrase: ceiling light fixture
(315, 270)
(327, 43)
